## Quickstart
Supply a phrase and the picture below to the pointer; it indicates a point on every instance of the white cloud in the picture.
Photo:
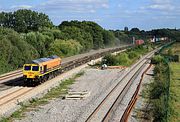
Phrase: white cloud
(79, 6)
(104, 5)
(21, 7)
(162, 5)
(161, 1)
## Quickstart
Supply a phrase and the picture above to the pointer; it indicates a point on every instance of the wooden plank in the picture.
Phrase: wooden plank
(77, 95)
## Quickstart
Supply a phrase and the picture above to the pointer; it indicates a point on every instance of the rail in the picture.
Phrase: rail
(121, 95)
(133, 99)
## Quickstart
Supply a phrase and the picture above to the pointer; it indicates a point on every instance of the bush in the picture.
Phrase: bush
(109, 60)
(157, 59)
(123, 59)
(159, 109)
(132, 54)
(159, 90)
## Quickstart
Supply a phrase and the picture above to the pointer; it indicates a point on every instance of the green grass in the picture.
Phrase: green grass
(128, 57)
(175, 93)
(33, 104)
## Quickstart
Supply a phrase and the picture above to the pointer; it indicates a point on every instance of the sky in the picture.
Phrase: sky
(110, 14)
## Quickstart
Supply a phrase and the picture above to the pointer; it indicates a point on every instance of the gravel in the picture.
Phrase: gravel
(124, 103)
(97, 82)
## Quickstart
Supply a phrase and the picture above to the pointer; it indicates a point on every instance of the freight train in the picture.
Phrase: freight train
(42, 69)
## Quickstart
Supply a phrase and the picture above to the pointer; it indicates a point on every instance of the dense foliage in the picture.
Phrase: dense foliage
(65, 48)
(90, 34)
(27, 35)
(14, 50)
(24, 20)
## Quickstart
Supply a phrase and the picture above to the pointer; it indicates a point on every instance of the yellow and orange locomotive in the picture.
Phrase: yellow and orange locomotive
(41, 69)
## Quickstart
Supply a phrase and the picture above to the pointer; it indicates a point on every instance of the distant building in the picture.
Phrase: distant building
(125, 29)
(153, 39)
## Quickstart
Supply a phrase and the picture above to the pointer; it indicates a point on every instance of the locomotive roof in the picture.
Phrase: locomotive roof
(40, 60)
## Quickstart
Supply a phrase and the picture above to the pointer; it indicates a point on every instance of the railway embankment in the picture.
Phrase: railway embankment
(174, 101)
(159, 99)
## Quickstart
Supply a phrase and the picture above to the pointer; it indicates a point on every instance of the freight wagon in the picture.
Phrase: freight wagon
(40, 70)
(139, 42)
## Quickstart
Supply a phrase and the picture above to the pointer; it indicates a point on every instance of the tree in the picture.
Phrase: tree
(64, 48)
(109, 38)
(75, 33)
(24, 20)
(14, 50)
(135, 30)
(92, 28)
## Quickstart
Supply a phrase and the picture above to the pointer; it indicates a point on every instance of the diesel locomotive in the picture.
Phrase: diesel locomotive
(41, 69)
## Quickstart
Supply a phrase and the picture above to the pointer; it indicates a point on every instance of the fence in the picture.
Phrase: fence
(167, 58)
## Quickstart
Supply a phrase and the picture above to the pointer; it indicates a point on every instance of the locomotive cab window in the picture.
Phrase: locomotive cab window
(27, 67)
(35, 68)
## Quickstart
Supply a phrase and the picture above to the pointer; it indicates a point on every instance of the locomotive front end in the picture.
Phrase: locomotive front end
(31, 71)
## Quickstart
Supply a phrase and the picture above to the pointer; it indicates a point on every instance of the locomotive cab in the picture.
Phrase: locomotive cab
(31, 71)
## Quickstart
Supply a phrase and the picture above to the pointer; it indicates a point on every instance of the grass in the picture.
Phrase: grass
(175, 49)
(175, 93)
(174, 101)
(33, 104)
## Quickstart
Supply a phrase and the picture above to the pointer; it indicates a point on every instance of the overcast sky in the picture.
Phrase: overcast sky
(110, 14)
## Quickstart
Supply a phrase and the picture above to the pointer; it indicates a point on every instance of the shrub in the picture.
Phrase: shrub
(123, 59)
(132, 54)
(109, 60)
(157, 59)
(159, 90)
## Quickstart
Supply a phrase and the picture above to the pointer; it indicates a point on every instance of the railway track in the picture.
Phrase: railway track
(133, 98)
(66, 66)
(10, 75)
(98, 113)
(13, 96)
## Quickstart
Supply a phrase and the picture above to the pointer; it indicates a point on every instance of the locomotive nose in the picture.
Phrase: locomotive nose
(30, 75)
